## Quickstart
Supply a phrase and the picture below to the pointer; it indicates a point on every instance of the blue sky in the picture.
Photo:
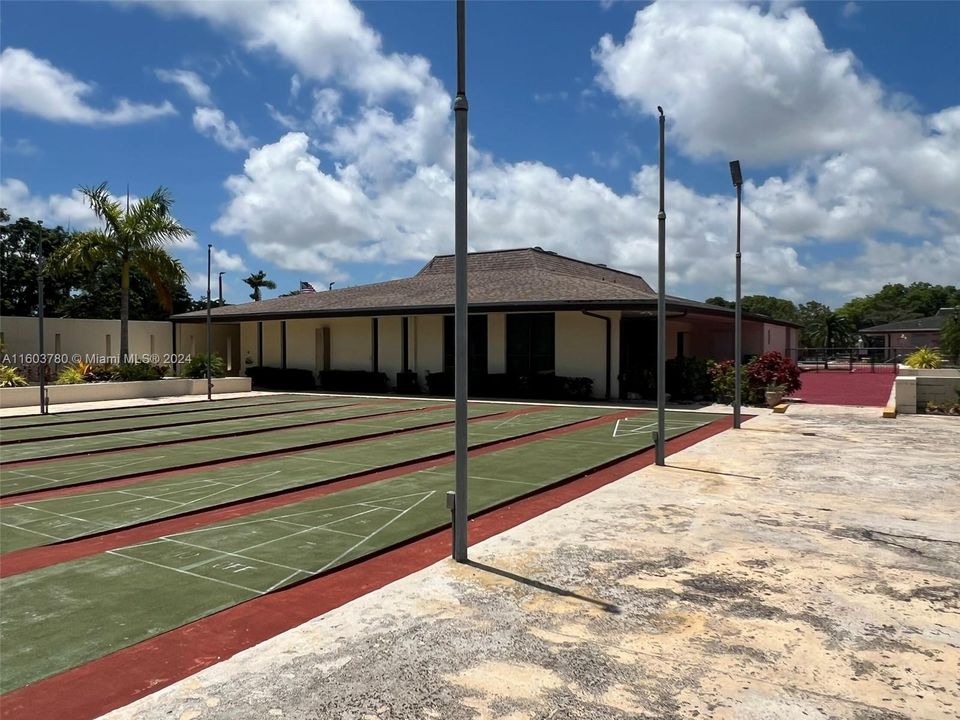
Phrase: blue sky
(314, 140)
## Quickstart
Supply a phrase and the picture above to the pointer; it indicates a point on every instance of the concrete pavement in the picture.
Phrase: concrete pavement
(807, 566)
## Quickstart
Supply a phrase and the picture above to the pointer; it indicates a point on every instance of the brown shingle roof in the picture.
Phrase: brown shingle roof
(528, 278)
(502, 277)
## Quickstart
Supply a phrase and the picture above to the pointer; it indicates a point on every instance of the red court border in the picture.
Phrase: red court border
(120, 678)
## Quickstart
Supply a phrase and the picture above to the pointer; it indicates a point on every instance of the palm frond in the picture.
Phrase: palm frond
(164, 271)
(82, 250)
(105, 207)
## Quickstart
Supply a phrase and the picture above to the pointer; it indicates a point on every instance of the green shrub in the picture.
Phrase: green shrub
(136, 371)
(365, 381)
(765, 371)
(101, 373)
(197, 367)
(723, 379)
(924, 358)
(273, 378)
(688, 378)
(950, 338)
(9, 377)
(73, 375)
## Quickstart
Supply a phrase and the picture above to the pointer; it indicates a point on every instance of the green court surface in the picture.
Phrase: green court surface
(138, 411)
(41, 522)
(118, 440)
(72, 471)
(47, 434)
(61, 616)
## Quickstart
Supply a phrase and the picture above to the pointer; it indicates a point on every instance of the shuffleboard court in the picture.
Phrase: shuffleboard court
(40, 522)
(64, 615)
(124, 440)
(77, 470)
(152, 410)
(49, 435)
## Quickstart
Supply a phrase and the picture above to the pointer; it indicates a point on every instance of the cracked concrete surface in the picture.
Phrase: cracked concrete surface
(807, 566)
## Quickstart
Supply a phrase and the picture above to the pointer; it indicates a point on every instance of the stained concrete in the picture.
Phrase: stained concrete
(807, 566)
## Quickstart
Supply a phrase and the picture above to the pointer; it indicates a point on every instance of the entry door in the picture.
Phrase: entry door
(476, 345)
(638, 357)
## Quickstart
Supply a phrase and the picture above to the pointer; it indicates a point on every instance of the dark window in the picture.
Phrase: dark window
(476, 344)
(530, 344)
(375, 334)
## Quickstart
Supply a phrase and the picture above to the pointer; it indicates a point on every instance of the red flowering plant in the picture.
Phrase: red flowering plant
(773, 369)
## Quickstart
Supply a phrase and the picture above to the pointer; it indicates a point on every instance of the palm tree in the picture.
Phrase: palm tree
(135, 237)
(259, 280)
(830, 329)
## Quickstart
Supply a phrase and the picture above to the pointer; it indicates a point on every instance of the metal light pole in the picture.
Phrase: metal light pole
(220, 281)
(209, 329)
(661, 308)
(737, 177)
(460, 108)
(42, 363)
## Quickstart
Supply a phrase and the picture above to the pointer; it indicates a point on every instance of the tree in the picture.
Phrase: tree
(830, 330)
(900, 302)
(950, 338)
(774, 307)
(97, 295)
(720, 302)
(133, 238)
(19, 263)
(259, 280)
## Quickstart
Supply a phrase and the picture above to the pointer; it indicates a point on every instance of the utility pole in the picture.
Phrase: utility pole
(661, 308)
(209, 329)
(737, 177)
(460, 108)
(44, 409)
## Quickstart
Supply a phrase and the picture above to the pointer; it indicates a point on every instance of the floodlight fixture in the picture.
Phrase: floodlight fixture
(735, 173)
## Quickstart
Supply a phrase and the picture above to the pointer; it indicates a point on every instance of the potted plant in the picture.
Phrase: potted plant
(774, 394)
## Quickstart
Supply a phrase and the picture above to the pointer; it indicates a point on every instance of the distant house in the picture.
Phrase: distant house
(531, 312)
(909, 334)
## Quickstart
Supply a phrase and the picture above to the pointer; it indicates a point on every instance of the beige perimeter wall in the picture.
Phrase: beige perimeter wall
(91, 340)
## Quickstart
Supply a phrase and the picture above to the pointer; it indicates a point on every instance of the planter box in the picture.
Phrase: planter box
(904, 371)
(95, 392)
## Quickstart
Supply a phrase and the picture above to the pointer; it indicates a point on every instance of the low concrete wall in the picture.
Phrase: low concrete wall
(96, 392)
(915, 387)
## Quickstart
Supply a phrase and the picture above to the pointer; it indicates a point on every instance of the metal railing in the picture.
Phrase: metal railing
(856, 359)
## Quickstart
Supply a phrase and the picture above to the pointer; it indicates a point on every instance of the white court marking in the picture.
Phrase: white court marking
(222, 554)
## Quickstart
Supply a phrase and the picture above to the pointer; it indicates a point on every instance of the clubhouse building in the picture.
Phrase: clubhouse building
(532, 312)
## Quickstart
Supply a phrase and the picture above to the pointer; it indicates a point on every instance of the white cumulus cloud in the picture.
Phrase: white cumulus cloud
(192, 83)
(376, 185)
(35, 86)
(213, 123)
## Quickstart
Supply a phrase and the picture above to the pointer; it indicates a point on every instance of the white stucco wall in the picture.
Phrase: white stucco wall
(429, 344)
(87, 337)
(192, 339)
(774, 338)
(390, 346)
(581, 348)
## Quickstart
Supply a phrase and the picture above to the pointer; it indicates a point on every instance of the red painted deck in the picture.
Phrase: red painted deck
(842, 387)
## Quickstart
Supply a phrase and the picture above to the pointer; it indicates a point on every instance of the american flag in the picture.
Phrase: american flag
(306, 287)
